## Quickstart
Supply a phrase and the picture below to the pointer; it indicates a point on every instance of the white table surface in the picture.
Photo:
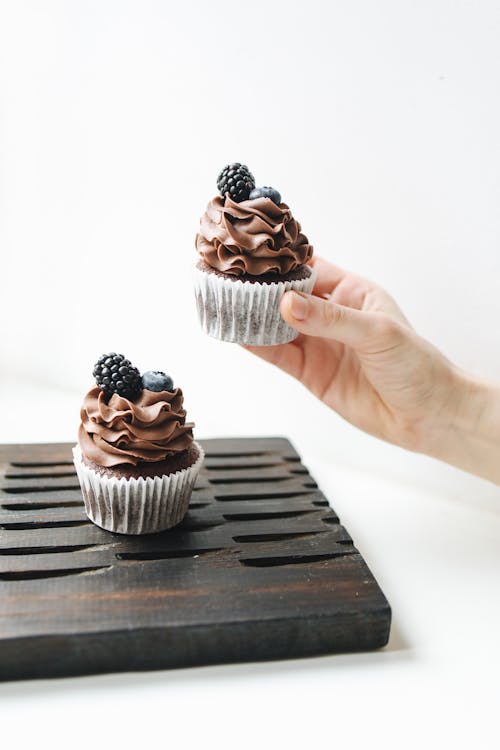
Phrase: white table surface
(435, 685)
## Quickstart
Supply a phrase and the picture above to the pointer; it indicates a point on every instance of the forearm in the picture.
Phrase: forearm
(469, 434)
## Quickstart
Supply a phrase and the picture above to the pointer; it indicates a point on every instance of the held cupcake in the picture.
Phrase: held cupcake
(251, 252)
(136, 459)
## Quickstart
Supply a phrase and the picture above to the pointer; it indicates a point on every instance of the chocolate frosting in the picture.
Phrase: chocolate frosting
(252, 237)
(127, 432)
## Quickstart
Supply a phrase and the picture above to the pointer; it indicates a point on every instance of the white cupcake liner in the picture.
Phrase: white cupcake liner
(136, 506)
(245, 312)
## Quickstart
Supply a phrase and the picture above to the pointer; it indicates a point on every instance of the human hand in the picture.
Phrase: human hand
(357, 353)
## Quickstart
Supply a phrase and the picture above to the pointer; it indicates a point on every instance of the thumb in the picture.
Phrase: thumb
(315, 316)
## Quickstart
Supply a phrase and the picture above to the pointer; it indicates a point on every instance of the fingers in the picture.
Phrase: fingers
(355, 291)
(329, 276)
(288, 357)
(359, 329)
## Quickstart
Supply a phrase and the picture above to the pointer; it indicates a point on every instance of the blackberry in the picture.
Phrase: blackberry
(237, 180)
(114, 374)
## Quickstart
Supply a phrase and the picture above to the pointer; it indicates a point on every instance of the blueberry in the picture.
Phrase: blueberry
(266, 192)
(156, 381)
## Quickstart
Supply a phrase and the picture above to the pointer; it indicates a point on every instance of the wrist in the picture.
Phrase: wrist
(467, 433)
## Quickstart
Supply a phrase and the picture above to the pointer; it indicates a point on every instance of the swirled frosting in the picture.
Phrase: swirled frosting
(128, 432)
(252, 237)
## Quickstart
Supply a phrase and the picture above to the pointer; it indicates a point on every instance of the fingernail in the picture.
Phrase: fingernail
(298, 306)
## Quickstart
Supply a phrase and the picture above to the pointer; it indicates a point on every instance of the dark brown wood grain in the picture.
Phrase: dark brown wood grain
(260, 568)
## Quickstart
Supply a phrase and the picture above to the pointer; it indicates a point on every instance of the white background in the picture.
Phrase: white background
(379, 123)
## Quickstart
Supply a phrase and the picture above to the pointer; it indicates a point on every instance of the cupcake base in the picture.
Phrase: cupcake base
(246, 312)
(143, 469)
(137, 505)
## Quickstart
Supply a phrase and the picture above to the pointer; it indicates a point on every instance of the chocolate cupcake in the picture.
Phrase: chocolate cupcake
(136, 458)
(251, 252)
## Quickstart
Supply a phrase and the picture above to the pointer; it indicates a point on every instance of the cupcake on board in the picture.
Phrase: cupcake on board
(136, 458)
(251, 251)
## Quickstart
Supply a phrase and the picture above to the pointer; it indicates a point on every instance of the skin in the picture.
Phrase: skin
(358, 353)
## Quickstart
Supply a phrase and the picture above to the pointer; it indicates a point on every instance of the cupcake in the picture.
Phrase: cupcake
(136, 459)
(251, 252)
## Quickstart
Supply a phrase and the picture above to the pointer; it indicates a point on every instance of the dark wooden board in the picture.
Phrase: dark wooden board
(260, 568)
